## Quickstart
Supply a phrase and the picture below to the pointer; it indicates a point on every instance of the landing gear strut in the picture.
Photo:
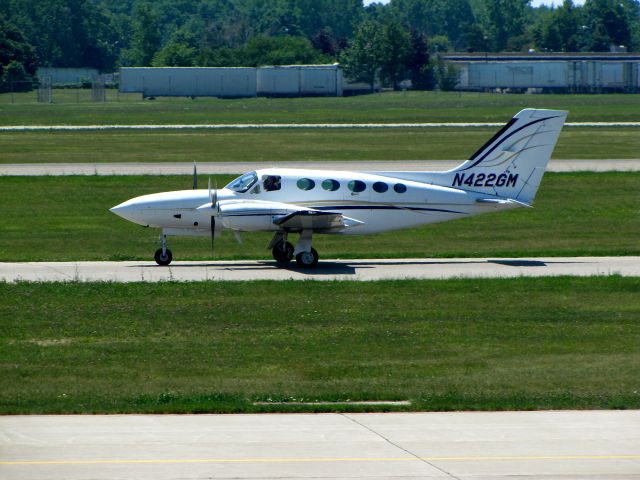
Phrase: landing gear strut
(283, 251)
(306, 255)
(163, 255)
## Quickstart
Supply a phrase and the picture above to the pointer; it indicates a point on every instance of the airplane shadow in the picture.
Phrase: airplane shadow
(519, 263)
(326, 268)
(323, 268)
(531, 263)
(350, 266)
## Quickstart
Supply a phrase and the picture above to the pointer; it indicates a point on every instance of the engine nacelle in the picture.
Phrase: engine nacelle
(249, 215)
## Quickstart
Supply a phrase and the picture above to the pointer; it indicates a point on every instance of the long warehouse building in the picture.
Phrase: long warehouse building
(233, 82)
(582, 72)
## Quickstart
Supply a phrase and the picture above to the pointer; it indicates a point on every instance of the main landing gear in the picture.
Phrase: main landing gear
(283, 251)
(163, 255)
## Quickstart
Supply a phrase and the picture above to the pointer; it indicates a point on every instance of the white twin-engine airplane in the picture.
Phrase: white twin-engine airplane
(504, 173)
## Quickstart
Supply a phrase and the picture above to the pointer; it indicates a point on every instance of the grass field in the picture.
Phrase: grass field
(216, 347)
(384, 107)
(271, 146)
(67, 218)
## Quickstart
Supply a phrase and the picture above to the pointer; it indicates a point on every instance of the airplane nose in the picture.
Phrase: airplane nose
(128, 210)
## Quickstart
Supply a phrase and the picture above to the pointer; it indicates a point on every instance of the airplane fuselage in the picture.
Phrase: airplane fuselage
(378, 203)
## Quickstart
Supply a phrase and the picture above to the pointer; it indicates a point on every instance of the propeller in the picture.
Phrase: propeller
(195, 176)
(215, 207)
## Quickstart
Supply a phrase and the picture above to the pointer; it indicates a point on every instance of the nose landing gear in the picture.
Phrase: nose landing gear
(163, 255)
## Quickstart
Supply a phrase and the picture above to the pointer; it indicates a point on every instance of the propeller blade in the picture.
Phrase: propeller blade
(236, 234)
(210, 191)
(195, 176)
(213, 232)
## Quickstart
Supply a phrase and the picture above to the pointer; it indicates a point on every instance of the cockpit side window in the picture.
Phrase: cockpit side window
(271, 182)
(243, 183)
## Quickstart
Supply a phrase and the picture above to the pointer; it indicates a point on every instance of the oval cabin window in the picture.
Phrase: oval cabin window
(306, 184)
(400, 188)
(380, 187)
(331, 185)
(357, 186)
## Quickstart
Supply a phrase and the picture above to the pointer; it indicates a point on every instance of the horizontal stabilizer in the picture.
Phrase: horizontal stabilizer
(503, 201)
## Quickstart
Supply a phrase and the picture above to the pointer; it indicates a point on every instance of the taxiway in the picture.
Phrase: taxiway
(363, 270)
(213, 168)
(462, 445)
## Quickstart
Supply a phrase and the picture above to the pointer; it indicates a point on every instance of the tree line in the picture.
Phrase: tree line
(389, 42)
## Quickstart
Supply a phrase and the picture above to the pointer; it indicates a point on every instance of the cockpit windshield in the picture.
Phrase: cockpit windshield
(243, 183)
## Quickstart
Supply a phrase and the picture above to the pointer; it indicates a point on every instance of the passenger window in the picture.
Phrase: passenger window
(331, 185)
(271, 183)
(357, 186)
(400, 188)
(380, 187)
(306, 184)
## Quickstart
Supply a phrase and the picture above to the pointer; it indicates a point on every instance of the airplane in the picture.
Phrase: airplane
(503, 174)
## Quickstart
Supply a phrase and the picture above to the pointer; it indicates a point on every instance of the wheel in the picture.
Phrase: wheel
(161, 259)
(307, 259)
(282, 253)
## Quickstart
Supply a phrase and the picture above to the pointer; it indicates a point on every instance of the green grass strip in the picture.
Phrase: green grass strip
(268, 147)
(73, 107)
(217, 347)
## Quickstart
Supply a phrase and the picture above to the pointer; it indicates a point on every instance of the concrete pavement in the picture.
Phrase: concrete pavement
(212, 168)
(462, 445)
(363, 270)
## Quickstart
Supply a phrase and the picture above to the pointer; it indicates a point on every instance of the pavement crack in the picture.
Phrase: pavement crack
(390, 442)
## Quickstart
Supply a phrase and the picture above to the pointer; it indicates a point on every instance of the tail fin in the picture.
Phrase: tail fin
(511, 164)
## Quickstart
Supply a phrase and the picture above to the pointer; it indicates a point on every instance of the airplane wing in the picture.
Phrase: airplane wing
(315, 220)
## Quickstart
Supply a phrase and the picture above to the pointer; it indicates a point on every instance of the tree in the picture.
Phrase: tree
(362, 59)
(504, 19)
(418, 65)
(325, 42)
(451, 18)
(609, 22)
(17, 58)
(146, 35)
(395, 53)
(175, 54)
(283, 50)
(446, 74)
(219, 57)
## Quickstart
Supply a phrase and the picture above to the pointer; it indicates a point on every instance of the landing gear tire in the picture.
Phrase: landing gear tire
(282, 253)
(307, 259)
(161, 259)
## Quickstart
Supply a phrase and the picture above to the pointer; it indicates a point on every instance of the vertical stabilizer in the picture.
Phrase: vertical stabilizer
(512, 162)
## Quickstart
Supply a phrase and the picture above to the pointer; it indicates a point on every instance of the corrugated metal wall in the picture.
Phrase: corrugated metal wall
(567, 75)
(189, 81)
(297, 80)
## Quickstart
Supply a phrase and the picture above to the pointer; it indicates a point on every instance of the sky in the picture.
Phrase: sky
(535, 3)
